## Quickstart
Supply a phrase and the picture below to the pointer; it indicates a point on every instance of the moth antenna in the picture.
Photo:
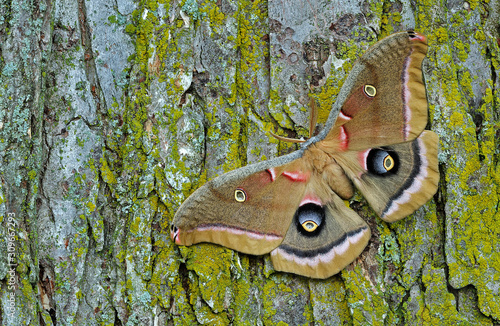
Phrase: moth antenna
(313, 117)
(286, 139)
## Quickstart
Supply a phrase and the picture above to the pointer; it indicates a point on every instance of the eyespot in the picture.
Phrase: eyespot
(310, 226)
(310, 219)
(370, 90)
(240, 195)
(382, 161)
(388, 162)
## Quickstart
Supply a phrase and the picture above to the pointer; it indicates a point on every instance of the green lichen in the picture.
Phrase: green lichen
(471, 184)
(462, 49)
(216, 18)
(210, 263)
(106, 173)
(191, 8)
(480, 36)
(365, 299)
(212, 276)
(390, 17)
(389, 248)
(440, 304)
(329, 302)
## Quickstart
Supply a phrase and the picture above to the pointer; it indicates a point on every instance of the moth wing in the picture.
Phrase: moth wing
(384, 97)
(397, 185)
(248, 209)
(338, 235)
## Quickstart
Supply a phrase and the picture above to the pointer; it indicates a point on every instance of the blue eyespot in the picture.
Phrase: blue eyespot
(382, 161)
(310, 219)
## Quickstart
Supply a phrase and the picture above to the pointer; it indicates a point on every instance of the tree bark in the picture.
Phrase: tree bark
(112, 113)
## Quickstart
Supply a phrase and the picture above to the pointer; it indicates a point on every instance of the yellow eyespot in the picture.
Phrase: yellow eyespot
(240, 195)
(310, 226)
(388, 162)
(370, 90)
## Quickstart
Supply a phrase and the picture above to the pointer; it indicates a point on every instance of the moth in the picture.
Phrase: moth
(293, 206)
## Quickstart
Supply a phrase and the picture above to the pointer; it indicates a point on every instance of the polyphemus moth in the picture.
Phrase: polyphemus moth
(292, 206)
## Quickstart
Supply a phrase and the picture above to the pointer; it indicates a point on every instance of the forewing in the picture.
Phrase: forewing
(386, 102)
(248, 209)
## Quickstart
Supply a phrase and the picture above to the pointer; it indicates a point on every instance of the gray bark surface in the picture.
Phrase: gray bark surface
(112, 113)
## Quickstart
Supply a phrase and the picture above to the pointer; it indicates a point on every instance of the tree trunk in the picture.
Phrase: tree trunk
(112, 113)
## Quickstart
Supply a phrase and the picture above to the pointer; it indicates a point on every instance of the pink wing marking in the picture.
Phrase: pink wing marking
(311, 199)
(175, 236)
(416, 185)
(337, 250)
(406, 91)
(405, 95)
(343, 116)
(362, 156)
(272, 173)
(238, 231)
(419, 37)
(296, 176)
(344, 139)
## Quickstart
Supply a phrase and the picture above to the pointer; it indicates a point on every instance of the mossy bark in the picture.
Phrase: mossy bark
(113, 113)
